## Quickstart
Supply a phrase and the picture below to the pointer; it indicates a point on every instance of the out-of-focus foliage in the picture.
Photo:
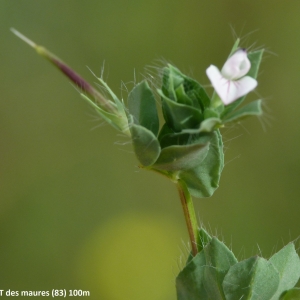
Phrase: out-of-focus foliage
(215, 273)
(62, 184)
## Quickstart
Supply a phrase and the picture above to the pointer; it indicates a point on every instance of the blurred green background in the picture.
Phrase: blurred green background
(75, 211)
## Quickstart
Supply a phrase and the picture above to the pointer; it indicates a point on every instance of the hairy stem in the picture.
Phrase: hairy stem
(189, 214)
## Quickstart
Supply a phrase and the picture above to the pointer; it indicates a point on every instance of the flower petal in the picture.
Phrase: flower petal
(229, 90)
(244, 86)
(219, 83)
(236, 65)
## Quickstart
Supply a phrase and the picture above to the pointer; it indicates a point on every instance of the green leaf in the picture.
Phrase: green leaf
(292, 294)
(206, 126)
(204, 239)
(287, 263)
(119, 104)
(177, 158)
(190, 281)
(235, 47)
(170, 83)
(203, 180)
(210, 124)
(219, 259)
(251, 109)
(211, 113)
(145, 144)
(218, 255)
(165, 131)
(117, 121)
(255, 60)
(253, 279)
(180, 138)
(195, 91)
(172, 80)
(203, 275)
(170, 139)
(212, 284)
(182, 96)
(142, 106)
(179, 116)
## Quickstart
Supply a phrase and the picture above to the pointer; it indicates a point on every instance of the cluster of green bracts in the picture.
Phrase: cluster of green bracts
(188, 146)
(181, 149)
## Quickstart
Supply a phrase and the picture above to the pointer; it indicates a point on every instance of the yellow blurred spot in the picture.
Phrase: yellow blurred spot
(132, 257)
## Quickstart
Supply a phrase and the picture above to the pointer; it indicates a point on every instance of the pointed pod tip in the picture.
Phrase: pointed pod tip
(23, 37)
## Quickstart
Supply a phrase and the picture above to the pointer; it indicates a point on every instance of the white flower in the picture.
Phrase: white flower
(231, 83)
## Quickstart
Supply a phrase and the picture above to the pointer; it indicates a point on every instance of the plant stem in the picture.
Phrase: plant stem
(189, 214)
